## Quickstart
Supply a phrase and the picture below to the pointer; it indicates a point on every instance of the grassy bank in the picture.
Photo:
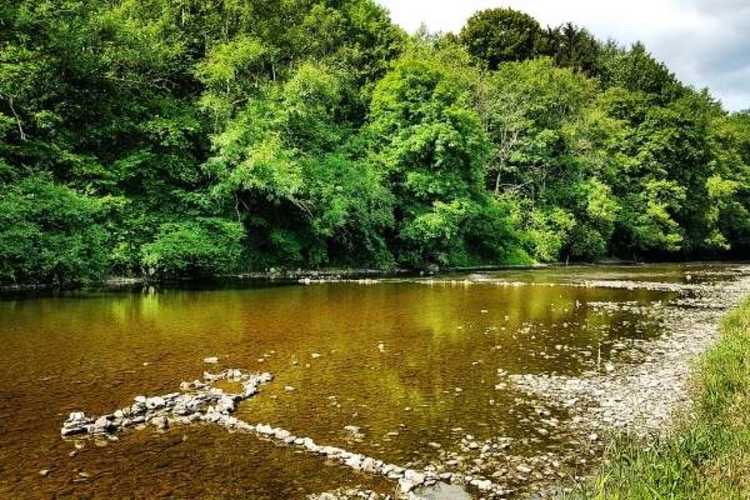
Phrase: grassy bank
(708, 454)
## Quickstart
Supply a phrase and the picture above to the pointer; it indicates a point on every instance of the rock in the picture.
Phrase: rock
(354, 461)
(225, 404)
(155, 402)
(414, 476)
(482, 485)
(394, 474)
(103, 424)
(44, 472)
(406, 485)
(77, 416)
(160, 422)
(369, 465)
(72, 430)
(441, 491)
(211, 361)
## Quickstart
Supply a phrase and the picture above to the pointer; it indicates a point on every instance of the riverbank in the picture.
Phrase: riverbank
(273, 275)
(707, 454)
(289, 276)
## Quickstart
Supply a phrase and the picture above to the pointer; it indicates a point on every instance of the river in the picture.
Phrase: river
(417, 372)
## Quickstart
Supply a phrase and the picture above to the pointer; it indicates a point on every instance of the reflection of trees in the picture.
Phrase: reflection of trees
(432, 336)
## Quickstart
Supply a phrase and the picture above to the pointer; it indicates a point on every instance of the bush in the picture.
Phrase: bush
(194, 248)
(547, 231)
(50, 234)
(462, 233)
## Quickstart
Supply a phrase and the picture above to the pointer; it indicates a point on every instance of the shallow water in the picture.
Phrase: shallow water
(412, 364)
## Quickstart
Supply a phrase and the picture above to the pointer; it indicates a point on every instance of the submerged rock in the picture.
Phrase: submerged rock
(203, 403)
(440, 491)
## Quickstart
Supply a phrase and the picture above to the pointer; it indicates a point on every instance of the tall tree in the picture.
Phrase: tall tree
(495, 36)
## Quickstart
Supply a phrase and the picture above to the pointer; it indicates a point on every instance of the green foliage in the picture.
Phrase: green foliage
(432, 145)
(547, 231)
(727, 189)
(352, 211)
(597, 211)
(525, 108)
(495, 36)
(636, 70)
(50, 234)
(573, 47)
(330, 137)
(202, 247)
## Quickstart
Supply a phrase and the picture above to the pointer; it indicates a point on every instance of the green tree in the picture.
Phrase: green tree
(50, 234)
(636, 70)
(495, 36)
(432, 145)
(524, 107)
(203, 247)
(572, 47)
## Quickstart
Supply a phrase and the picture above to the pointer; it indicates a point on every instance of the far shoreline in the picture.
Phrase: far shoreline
(278, 277)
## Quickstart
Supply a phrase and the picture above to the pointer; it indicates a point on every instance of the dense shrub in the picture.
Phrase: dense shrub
(195, 248)
(50, 234)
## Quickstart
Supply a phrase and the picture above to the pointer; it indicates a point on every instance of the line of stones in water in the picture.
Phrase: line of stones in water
(202, 402)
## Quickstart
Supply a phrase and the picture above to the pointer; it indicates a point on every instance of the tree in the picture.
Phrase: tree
(432, 145)
(524, 108)
(636, 70)
(50, 234)
(572, 47)
(204, 247)
(310, 133)
(728, 188)
(495, 36)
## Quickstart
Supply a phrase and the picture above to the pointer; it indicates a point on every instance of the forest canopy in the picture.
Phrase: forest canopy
(173, 138)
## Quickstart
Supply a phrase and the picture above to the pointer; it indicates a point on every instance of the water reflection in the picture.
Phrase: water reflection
(404, 362)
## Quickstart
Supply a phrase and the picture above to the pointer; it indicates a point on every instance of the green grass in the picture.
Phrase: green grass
(708, 453)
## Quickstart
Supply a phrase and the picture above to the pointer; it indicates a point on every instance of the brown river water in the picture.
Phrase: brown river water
(413, 364)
